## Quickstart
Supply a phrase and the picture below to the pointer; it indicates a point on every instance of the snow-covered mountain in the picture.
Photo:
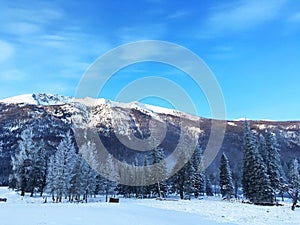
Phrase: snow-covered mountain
(54, 99)
(51, 116)
(38, 99)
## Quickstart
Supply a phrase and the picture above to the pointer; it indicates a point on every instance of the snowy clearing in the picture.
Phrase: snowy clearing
(32, 211)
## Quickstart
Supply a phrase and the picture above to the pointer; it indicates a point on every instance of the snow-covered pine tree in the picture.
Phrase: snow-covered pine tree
(145, 189)
(159, 172)
(51, 176)
(189, 180)
(178, 179)
(199, 183)
(294, 182)
(22, 162)
(226, 184)
(76, 180)
(256, 183)
(62, 165)
(126, 176)
(110, 176)
(263, 192)
(88, 179)
(273, 160)
(262, 148)
(199, 175)
(249, 146)
(37, 181)
(236, 178)
(177, 182)
(294, 174)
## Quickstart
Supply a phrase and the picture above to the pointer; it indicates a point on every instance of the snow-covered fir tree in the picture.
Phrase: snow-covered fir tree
(145, 189)
(294, 182)
(273, 160)
(28, 164)
(76, 178)
(159, 172)
(39, 170)
(199, 174)
(294, 179)
(263, 192)
(51, 176)
(256, 183)
(226, 184)
(88, 179)
(61, 167)
(189, 180)
(109, 176)
(249, 146)
(177, 181)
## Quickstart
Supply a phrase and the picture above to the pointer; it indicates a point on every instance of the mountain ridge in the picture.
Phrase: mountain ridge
(56, 99)
(51, 116)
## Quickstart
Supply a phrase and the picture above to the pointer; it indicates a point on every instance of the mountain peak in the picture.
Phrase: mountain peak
(38, 99)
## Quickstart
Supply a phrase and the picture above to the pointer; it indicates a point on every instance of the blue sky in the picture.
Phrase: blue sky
(252, 47)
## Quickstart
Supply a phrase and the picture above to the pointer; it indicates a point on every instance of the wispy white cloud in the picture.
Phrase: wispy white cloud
(40, 14)
(45, 34)
(142, 32)
(222, 52)
(240, 16)
(11, 75)
(177, 15)
(21, 28)
(7, 51)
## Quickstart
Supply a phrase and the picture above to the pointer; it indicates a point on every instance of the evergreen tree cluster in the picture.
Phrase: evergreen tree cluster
(63, 174)
(191, 179)
(29, 165)
(262, 171)
(157, 177)
(66, 174)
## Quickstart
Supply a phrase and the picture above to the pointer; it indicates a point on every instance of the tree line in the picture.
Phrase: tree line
(263, 177)
(66, 174)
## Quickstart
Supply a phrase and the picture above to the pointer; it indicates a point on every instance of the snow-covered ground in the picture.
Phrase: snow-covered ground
(32, 211)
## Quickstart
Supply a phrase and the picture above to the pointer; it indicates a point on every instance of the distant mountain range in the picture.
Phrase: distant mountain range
(51, 116)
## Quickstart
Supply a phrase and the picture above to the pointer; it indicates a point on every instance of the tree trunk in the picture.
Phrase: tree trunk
(295, 199)
(106, 195)
(181, 194)
(158, 187)
(196, 194)
(86, 195)
(236, 187)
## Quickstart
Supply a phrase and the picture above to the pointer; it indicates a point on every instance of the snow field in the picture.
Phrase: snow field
(210, 210)
(233, 212)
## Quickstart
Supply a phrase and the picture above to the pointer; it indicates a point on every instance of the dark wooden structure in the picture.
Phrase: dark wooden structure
(113, 200)
(3, 199)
